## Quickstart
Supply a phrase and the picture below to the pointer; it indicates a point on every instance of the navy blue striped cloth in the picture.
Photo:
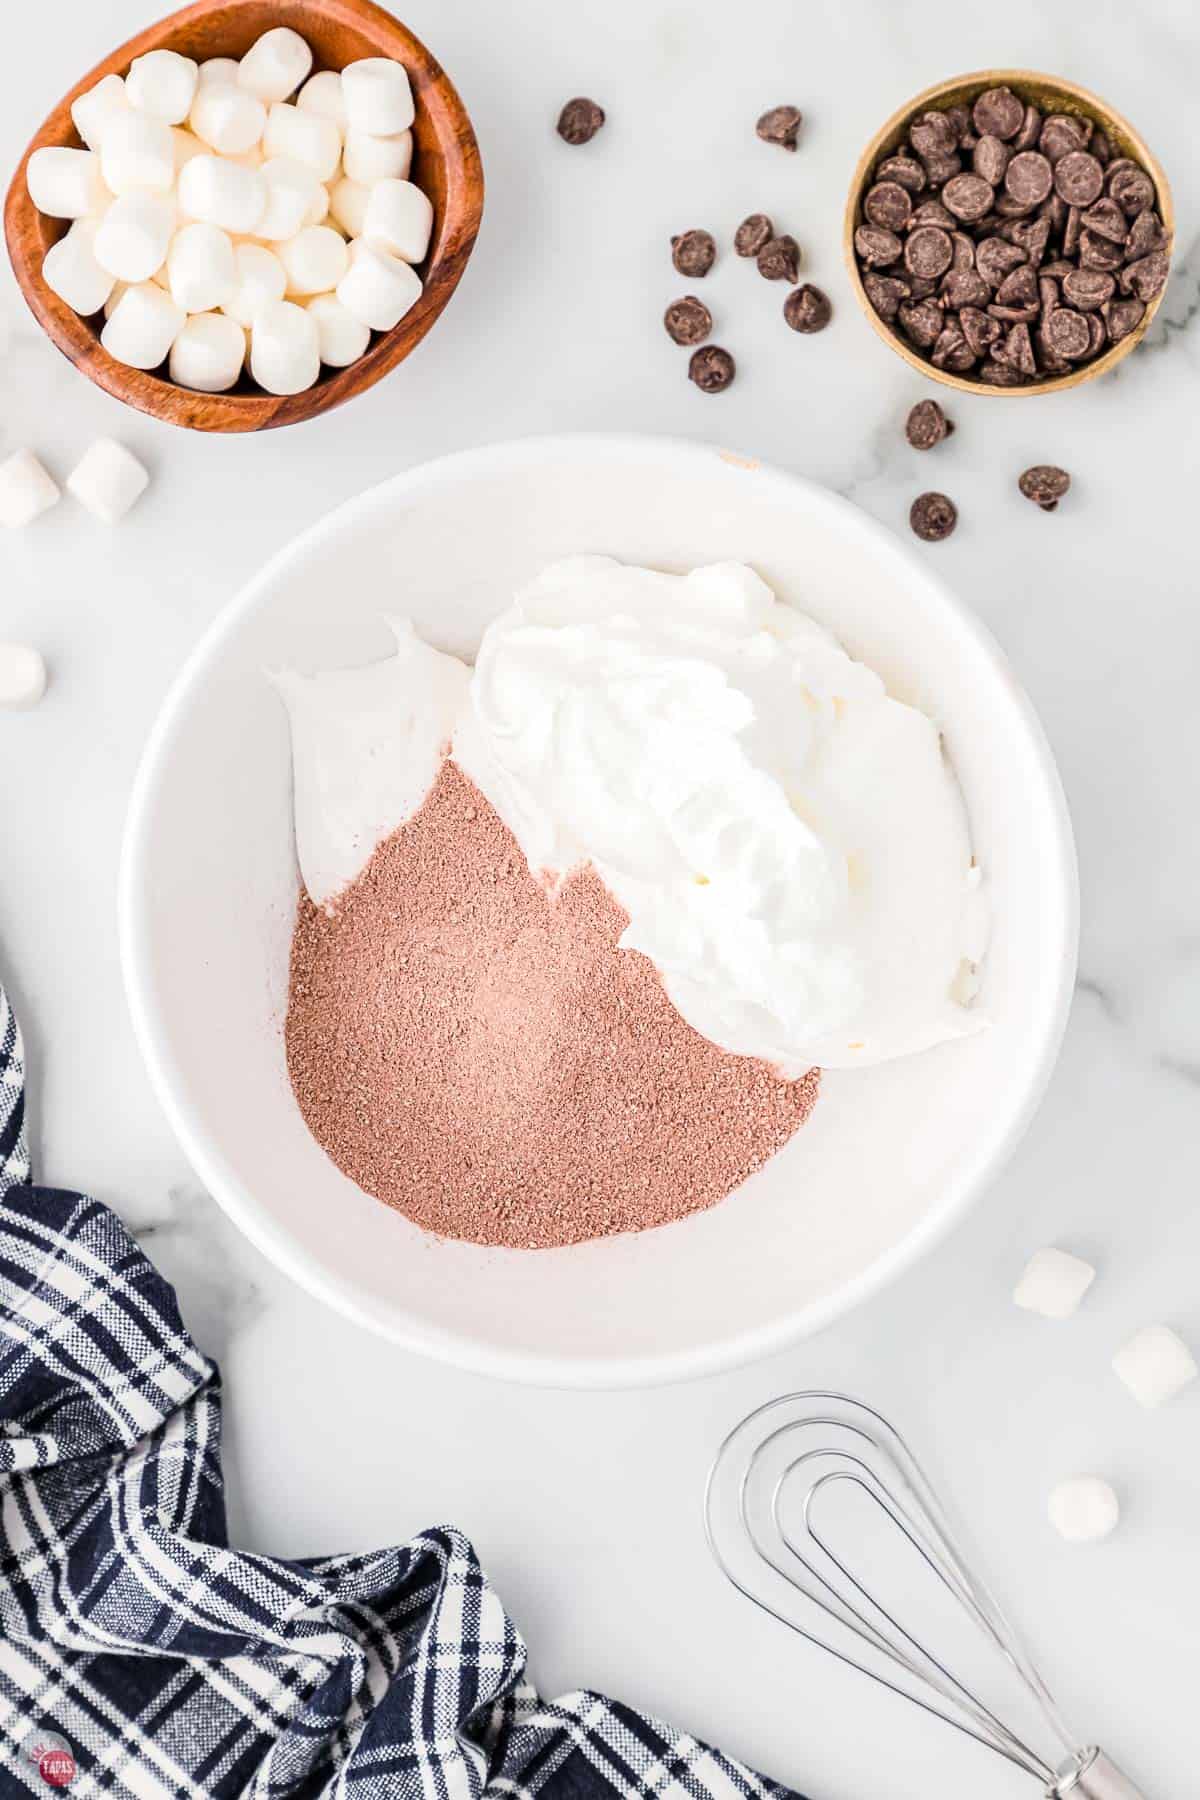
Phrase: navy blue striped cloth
(143, 1658)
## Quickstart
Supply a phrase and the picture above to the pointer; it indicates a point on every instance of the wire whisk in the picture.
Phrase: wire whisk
(776, 1504)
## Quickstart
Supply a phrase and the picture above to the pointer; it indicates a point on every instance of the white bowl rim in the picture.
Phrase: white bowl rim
(460, 1349)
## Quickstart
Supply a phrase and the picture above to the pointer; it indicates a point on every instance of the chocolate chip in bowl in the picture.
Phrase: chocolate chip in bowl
(1008, 232)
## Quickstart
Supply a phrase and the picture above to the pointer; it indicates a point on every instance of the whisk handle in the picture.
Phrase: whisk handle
(1098, 1779)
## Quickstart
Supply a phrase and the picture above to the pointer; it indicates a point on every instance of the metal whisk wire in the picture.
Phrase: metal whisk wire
(881, 1467)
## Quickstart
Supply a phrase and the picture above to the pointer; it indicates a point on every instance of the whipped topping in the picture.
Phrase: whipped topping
(787, 840)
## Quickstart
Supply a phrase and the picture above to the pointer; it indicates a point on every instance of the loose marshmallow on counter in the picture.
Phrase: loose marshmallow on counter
(22, 676)
(304, 136)
(132, 237)
(1083, 1509)
(400, 217)
(1053, 1284)
(378, 96)
(371, 159)
(201, 268)
(348, 205)
(145, 323)
(137, 151)
(377, 289)
(227, 118)
(341, 338)
(1155, 1365)
(315, 260)
(162, 83)
(108, 480)
(70, 270)
(27, 489)
(208, 353)
(322, 94)
(92, 111)
(284, 349)
(221, 192)
(261, 278)
(275, 66)
(65, 184)
(290, 190)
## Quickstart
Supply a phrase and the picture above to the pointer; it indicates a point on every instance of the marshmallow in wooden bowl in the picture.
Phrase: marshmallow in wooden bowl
(252, 194)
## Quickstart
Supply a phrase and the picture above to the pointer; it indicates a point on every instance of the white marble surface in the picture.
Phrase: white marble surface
(586, 1508)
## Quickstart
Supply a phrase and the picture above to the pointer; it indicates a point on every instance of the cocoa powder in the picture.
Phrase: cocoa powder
(479, 1054)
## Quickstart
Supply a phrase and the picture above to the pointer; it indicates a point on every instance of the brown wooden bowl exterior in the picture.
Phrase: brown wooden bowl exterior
(1052, 95)
(446, 164)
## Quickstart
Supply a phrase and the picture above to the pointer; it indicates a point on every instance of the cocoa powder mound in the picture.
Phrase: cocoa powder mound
(481, 1056)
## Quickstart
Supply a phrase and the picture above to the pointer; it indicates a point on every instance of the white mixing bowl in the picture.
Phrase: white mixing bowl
(890, 1156)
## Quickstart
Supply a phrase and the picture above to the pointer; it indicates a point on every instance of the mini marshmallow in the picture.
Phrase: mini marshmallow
(110, 305)
(27, 489)
(1155, 1365)
(1054, 1283)
(216, 69)
(378, 96)
(137, 151)
(315, 260)
(144, 324)
(201, 268)
(185, 146)
(64, 184)
(1083, 1509)
(108, 480)
(400, 217)
(208, 353)
(322, 94)
(275, 66)
(228, 119)
(132, 237)
(318, 210)
(221, 192)
(284, 353)
(304, 136)
(341, 338)
(92, 111)
(261, 278)
(377, 289)
(70, 270)
(22, 676)
(371, 159)
(348, 205)
(162, 84)
(290, 192)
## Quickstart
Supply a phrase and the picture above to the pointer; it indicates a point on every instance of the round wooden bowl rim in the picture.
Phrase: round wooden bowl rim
(150, 393)
(1106, 115)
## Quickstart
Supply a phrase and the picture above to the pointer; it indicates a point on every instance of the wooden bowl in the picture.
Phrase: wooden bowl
(1051, 95)
(445, 164)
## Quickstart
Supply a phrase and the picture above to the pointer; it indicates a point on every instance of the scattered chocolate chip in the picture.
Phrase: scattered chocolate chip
(888, 204)
(928, 252)
(1078, 178)
(1028, 178)
(579, 121)
(875, 247)
(1044, 485)
(687, 321)
(1067, 333)
(1087, 289)
(968, 197)
(779, 259)
(807, 309)
(991, 158)
(1060, 135)
(780, 125)
(927, 425)
(1146, 278)
(998, 113)
(711, 368)
(933, 517)
(885, 292)
(904, 169)
(693, 253)
(752, 234)
(1122, 317)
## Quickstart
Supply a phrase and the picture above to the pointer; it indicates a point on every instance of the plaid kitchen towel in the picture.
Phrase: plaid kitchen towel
(143, 1658)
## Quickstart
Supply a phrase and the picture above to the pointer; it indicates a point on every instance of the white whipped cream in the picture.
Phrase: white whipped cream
(788, 841)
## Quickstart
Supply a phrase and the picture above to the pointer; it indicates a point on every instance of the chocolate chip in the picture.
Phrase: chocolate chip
(1097, 252)
(1130, 187)
(1018, 350)
(1023, 313)
(1078, 178)
(1009, 207)
(1122, 317)
(1145, 234)
(994, 259)
(885, 292)
(1048, 295)
(711, 368)
(927, 425)
(1000, 375)
(1067, 333)
(1058, 268)
(991, 159)
(1028, 178)
(1048, 362)
(904, 169)
(779, 259)
(1088, 289)
(959, 121)
(579, 121)
(933, 135)
(780, 125)
(1100, 147)
(1060, 135)
(963, 251)
(687, 321)
(807, 309)
(1032, 236)
(1072, 231)
(1146, 278)
(1107, 220)
(1044, 485)
(888, 204)
(933, 517)
(965, 287)
(1019, 288)
(1056, 211)
(980, 329)
(875, 247)
(921, 321)
(932, 212)
(940, 169)
(928, 252)
(1031, 130)
(951, 350)
(693, 253)
(921, 288)
(1098, 334)
(752, 234)
(998, 113)
(968, 197)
